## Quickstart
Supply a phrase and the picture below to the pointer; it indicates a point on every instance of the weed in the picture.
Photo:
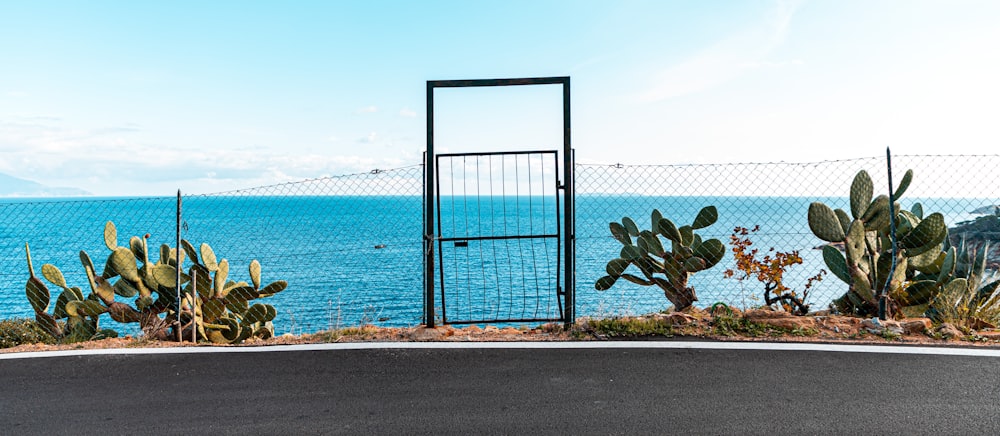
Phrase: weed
(632, 327)
(17, 331)
(977, 338)
(733, 326)
(335, 335)
(139, 342)
(804, 331)
(890, 335)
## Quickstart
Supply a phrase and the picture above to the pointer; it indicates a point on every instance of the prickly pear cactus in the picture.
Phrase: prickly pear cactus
(866, 261)
(80, 315)
(965, 293)
(213, 308)
(223, 314)
(668, 270)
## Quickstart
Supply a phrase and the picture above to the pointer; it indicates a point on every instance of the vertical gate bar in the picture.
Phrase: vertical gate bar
(440, 231)
(569, 223)
(429, 212)
(556, 281)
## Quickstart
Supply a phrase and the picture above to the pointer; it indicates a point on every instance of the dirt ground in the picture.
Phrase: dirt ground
(754, 325)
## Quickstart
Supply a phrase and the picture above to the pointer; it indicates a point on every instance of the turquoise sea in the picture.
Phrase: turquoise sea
(358, 259)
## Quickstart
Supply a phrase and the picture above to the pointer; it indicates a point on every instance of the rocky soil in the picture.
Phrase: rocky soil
(752, 325)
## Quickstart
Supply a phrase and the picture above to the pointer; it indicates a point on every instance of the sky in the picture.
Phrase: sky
(144, 98)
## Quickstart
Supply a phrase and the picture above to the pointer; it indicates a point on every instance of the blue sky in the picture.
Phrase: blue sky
(143, 98)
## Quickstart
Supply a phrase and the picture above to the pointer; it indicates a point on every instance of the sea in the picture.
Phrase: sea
(351, 260)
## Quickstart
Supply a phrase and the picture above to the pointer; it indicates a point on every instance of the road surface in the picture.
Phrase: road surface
(627, 390)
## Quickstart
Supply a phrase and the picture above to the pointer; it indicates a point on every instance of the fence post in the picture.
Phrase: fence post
(179, 266)
(569, 228)
(429, 212)
(892, 233)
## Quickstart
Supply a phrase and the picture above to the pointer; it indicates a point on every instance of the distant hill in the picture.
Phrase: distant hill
(14, 187)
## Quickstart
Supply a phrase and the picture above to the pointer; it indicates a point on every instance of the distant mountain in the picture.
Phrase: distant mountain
(14, 187)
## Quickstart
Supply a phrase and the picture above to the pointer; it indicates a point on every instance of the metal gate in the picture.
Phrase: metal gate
(499, 244)
(501, 224)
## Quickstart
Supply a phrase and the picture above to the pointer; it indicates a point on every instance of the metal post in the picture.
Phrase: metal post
(892, 233)
(179, 265)
(429, 212)
(194, 315)
(569, 224)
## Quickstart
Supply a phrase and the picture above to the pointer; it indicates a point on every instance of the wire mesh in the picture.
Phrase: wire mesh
(350, 246)
(57, 230)
(774, 196)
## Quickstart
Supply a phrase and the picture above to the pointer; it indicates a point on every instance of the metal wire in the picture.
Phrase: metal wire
(350, 245)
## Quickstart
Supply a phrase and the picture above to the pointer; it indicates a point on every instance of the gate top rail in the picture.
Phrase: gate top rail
(496, 153)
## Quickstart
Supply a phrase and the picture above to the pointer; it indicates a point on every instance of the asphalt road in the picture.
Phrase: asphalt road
(502, 391)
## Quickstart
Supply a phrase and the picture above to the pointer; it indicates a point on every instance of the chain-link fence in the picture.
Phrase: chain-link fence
(773, 197)
(350, 246)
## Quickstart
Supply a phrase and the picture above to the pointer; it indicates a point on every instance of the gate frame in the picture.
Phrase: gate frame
(568, 291)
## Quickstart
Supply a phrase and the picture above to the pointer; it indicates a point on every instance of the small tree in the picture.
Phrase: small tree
(770, 270)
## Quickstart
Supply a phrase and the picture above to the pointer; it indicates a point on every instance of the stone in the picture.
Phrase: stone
(894, 327)
(872, 323)
(978, 324)
(949, 331)
(425, 334)
(510, 331)
(759, 314)
(491, 329)
(879, 327)
(788, 323)
(915, 326)
(779, 319)
(993, 335)
(679, 319)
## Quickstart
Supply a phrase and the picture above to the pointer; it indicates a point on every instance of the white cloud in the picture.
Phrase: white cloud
(367, 110)
(106, 161)
(407, 112)
(726, 60)
(370, 139)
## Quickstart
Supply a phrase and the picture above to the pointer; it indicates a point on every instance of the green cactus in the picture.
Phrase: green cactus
(867, 258)
(688, 254)
(218, 311)
(226, 315)
(81, 314)
(964, 293)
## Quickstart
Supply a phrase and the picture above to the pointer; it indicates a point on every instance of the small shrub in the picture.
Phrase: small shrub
(17, 331)
(770, 270)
